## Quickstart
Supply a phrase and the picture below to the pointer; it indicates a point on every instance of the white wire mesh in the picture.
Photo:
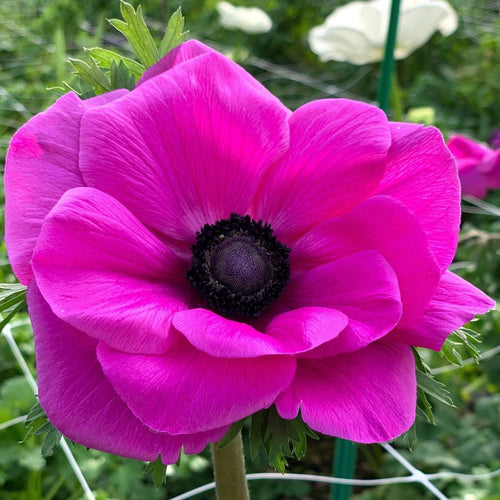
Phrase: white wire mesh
(272, 71)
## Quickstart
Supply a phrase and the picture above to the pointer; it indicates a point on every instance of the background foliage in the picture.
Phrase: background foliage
(458, 76)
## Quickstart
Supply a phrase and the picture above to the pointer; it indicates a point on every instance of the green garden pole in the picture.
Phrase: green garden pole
(384, 84)
(344, 465)
(344, 461)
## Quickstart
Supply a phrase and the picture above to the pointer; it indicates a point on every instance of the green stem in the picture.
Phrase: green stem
(344, 465)
(229, 470)
(384, 87)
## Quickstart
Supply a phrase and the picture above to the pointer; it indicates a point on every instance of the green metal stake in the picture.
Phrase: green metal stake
(344, 465)
(384, 84)
(344, 462)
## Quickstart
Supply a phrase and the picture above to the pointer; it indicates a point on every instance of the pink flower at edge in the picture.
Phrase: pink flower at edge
(105, 199)
(478, 165)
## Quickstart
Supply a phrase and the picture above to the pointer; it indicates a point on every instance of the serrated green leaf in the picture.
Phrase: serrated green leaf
(173, 35)
(45, 427)
(137, 33)
(104, 58)
(426, 411)
(51, 440)
(159, 470)
(120, 77)
(11, 293)
(35, 413)
(11, 313)
(92, 74)
(469, 338)
(431, 386)
(231, 433)
(257, 430)
(419, 362)
(450, 352)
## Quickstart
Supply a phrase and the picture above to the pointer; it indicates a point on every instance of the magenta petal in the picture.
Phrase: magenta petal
(82, 404)
(204, 392)
(41, 164)
(363, 286)
(455, 303)
(106, 274)
(180, 54)
(422, 174)
(402, 129)
(383, 224)
(366, 396)
(187, 147)
(288, 333)
(336, 158)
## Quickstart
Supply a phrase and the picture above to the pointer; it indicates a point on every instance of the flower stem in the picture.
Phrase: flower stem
(229, 470)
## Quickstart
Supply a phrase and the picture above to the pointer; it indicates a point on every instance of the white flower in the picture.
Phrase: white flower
(356, 32)
(247, 19)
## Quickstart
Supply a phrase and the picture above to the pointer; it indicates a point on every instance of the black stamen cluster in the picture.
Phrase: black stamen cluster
(238, 266)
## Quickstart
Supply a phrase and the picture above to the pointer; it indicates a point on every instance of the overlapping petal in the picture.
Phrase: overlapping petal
(383, 224)
(199, 158)
(106, 274)
(291, 332)
(41, 164)
(363, 286)
(202, 392)
(421, 173)
(454, 304)
(82, 404)
(336, 158)
(365, 396)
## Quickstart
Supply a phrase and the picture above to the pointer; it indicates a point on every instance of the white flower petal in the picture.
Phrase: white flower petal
(248, 19)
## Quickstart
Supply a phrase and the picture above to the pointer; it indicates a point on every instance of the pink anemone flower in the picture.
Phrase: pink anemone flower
(478, 165)
(195, 252)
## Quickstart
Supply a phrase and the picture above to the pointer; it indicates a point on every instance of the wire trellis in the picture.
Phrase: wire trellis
(270, 72)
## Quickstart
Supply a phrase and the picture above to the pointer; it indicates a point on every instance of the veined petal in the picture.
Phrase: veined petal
(336, 159)
(383, 224)
(204, 392)
(41, 164)
(178, 55)
(106, 274)
(197, 139)
(421, 173)
(366, 396)
(454, 304)
(291, 332)
(82, 404)
(363, 286)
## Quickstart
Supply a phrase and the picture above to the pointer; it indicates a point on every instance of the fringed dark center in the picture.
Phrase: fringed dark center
(238, 266)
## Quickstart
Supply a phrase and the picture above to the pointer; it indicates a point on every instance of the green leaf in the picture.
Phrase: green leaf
(10, 314)
(92, 74)
(36, 412)
(137, 33)
(231, 433)
(51, 440)
(159, 470)
(257, 430)
(281, 438)
(431, 386)
(120, 77)
(426, 411)
(104, 58)
(11, 294)
(173, 35)
(469, 339)
(450, 352)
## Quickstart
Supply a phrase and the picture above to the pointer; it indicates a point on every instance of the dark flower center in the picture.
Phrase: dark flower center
(238, 266)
